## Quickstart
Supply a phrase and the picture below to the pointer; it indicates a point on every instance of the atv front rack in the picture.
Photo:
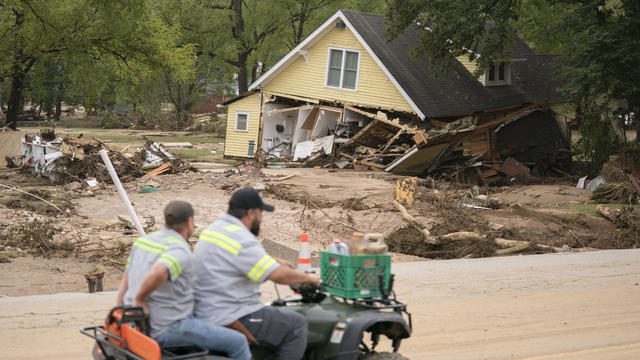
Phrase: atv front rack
(382, 304)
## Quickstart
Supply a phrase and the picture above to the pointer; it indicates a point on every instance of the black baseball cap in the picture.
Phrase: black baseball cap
(177, 212)
(247, 198)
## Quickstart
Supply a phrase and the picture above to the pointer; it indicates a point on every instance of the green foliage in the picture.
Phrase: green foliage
(599, 42)
(455, 28)
(597, 141)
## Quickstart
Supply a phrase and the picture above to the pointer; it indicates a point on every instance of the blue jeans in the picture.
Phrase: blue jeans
(192, 331)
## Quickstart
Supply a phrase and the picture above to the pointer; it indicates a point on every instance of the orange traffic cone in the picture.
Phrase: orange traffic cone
(304, 259)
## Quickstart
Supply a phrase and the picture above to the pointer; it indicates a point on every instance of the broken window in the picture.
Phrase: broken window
(342, 68)
(498, 74)
(242, 121)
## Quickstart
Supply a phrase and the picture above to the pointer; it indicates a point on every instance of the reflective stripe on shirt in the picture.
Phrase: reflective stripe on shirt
(221, 240)
(150, 246)
(173, 262)
(260, 267)
(232, 227)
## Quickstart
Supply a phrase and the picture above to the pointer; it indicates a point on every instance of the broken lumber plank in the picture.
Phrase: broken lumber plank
(283, 178)
(378, 118)
(164, 168)
(428, 238)
(420, 138)
(304, 107)
(514, 249)
(511, 243)
(391, 141)
(347, 156)
(463, 235)
(361, 112)
(371, 164)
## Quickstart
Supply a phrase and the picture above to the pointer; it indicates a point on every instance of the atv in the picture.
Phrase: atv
(337, 329)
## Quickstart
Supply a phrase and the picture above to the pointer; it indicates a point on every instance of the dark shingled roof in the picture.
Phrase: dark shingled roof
(536, 76)
(459, 93)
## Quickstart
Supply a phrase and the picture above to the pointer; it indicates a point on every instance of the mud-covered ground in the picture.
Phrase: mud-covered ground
(87, 236)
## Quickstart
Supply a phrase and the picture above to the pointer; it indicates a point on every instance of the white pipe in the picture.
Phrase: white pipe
(123, 194)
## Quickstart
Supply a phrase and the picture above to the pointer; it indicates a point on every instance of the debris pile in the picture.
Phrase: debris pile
(618, 181)
(68, 159)
(627, 219)
(516, 142)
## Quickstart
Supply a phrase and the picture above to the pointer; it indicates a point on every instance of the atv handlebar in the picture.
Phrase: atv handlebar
(312, 292)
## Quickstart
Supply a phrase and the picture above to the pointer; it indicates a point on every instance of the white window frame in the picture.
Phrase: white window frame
(238, 113)
(507, 75)
(344, 60)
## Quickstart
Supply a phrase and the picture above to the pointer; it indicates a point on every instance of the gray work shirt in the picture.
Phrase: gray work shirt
(230, 266)
(174, 299)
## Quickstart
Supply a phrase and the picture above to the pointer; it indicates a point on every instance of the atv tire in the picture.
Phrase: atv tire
(384, 356)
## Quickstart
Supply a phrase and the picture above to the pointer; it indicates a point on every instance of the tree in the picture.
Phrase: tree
(599, 41)
(125, 34)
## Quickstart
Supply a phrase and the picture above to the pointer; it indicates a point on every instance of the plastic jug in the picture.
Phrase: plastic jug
(368, 244)
(356, 243)
(338, 247)
(374, 244)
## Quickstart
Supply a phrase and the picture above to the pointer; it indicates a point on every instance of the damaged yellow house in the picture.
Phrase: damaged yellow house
(346, 66)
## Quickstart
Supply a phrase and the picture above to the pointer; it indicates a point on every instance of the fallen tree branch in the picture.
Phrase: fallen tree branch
(512, 243)
(608, 213)
(429, 239)
(514, 249)
(463, 235)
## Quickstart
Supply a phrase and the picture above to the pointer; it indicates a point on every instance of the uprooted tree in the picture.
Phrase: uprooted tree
(599, 41)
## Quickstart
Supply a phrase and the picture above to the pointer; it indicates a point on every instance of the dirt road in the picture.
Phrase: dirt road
(553, 306)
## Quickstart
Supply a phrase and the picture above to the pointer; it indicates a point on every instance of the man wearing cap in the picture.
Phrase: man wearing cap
(230, 266)
(159, 278)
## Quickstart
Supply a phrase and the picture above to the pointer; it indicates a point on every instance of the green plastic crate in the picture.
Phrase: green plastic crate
(354, 276)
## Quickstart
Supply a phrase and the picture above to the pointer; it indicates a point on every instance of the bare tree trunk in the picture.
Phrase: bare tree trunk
(180, 107)
(15, 97)
(58, 110)
(238, 29)
(618, 128)
(243, 74)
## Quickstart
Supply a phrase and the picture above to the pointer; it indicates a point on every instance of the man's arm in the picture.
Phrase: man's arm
(124, 285)
(284, 262)
(156, 276)
(286, 276)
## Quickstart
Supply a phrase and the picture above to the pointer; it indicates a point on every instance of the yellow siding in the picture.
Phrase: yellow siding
(373, 87)
(471, 65)
(237, 142)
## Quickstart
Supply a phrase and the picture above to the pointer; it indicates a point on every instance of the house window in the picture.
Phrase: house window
(499, 74)
(242, 121)
(342, 68)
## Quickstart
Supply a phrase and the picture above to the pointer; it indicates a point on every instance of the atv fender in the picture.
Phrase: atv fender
(391, 324)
